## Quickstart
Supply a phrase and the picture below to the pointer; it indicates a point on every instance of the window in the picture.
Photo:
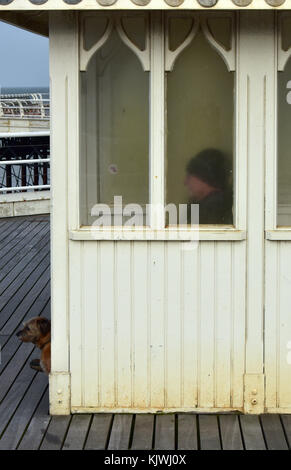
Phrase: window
(200, 104)
(157, 118)
(284, 136)
(115, 136)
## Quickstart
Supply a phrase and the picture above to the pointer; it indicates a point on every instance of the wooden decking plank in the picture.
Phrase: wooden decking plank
(25, 237)
(187, 432)
(12, 241)
(56, 432)
(46, 310)
(38, 280)
(286, 420)
(32, 253)
(37, 427)
(143, 432)
(10, 343)
(165, 432)
(6, 221)
(99, 432)
(120, 432)
(14, 397)
(22, 285)
(28, 256)
(24, 413)
(24, 312)
(209, 432)
(273, 432)
(78, 429)
(230, 432)
(24, 254)
(8, 229)
(252, 432)
(15, 366)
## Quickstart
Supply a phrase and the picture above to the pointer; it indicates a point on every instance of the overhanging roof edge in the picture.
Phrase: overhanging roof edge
(34, 5)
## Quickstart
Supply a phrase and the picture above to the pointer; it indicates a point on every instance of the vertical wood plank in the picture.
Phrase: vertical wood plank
(157, 340)
(76, 323)
(77, 432)
(99, 432)
(165, 432)
(207, 306)
(187, 432)
(120, 432)
(230, 432)
(90, 365)
(123, 356)
(273, 432)
(141, 319)
(238, 324)
(191, 296)
(223, 323)
(252, 432)
(107, 307)
(56, 433)
(209, 432)
(143, 432)
(272, 318)
(284, 326)
(173, 325)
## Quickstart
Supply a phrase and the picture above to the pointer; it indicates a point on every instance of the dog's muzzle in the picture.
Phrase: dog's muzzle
(19, 333)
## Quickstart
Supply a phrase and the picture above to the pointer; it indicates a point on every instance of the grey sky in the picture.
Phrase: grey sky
(23, 58)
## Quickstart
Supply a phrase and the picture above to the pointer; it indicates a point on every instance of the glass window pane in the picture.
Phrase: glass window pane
(114, 157)
(284, 146)
(200, 122)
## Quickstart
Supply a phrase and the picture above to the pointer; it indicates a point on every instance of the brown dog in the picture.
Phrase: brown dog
(38, 331)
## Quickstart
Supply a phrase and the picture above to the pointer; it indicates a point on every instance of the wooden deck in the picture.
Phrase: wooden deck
(24, 419)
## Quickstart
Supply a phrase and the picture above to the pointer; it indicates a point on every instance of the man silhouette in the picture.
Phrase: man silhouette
(207, 182)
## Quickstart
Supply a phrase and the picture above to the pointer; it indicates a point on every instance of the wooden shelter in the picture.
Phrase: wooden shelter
(164, 316)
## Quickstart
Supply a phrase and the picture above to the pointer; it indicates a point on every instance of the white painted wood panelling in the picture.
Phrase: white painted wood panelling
(157, 327)
(278, 325)
(149, 325)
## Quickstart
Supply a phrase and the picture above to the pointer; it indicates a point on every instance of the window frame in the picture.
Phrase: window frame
(156, 59)
(273, 231)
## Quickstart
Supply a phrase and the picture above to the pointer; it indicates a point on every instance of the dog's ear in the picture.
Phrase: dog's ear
(44, 325)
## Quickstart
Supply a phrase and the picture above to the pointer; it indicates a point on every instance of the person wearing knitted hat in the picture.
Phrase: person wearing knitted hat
(207, 182)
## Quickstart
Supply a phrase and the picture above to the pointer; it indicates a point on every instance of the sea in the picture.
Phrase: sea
(21, 90)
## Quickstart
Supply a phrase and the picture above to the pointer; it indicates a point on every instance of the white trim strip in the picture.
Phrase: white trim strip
(142, 234)
(279, 234)
(18, 188)
(24, 162)
(8, 135)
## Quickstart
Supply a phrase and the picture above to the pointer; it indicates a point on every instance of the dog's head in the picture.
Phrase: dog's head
(34, 330)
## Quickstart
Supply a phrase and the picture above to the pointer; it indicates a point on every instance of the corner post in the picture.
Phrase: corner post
(256, 91)
(63, 32)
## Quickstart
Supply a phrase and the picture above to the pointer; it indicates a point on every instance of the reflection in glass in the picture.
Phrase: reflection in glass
(114, 157)
(284, 146)
(200, 121)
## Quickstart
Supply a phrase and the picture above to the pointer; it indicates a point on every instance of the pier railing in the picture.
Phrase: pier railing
(25, 106)
(24, 163)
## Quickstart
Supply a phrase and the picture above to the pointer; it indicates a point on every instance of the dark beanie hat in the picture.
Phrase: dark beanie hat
(211, 167)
